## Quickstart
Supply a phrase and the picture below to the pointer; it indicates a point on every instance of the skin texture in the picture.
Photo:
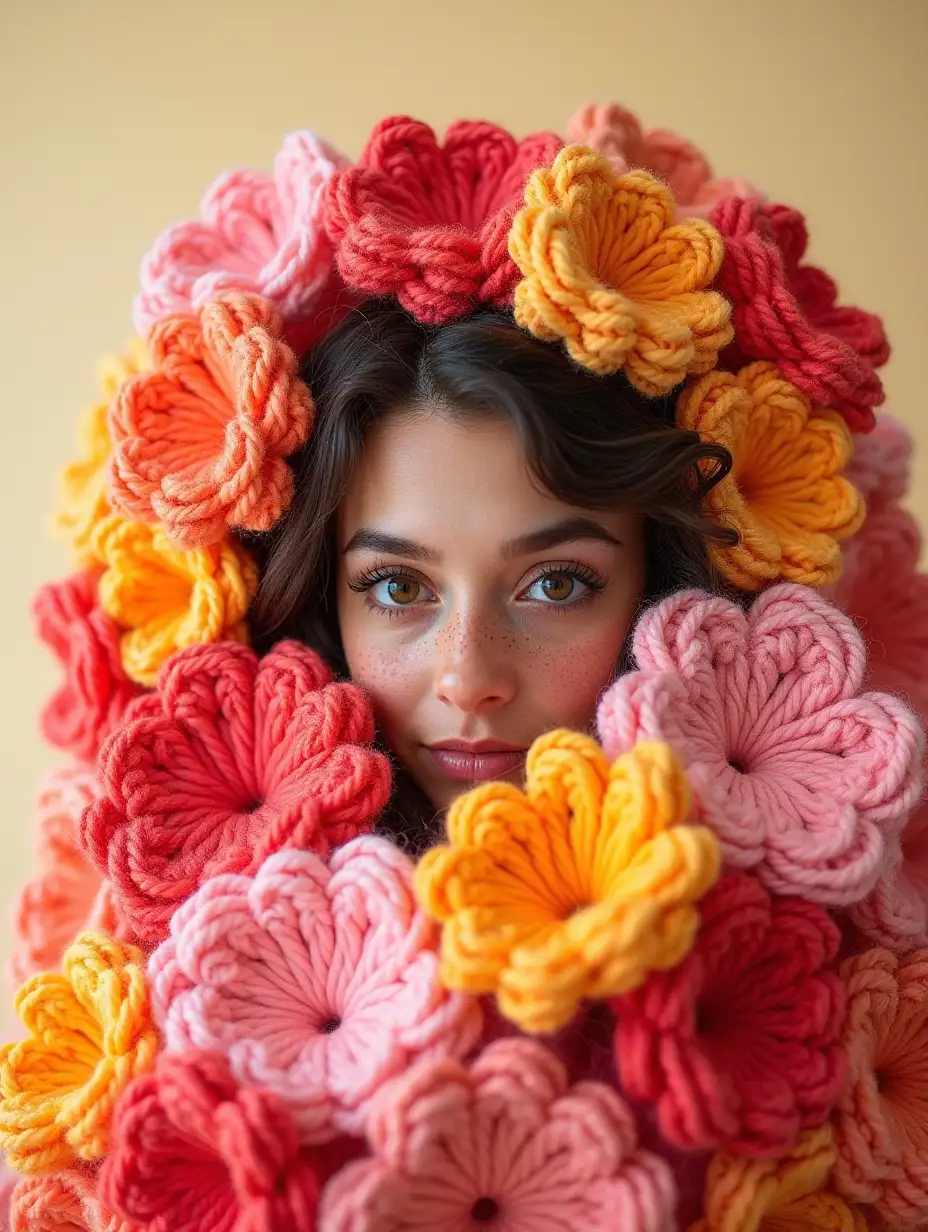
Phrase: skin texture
(477, 642)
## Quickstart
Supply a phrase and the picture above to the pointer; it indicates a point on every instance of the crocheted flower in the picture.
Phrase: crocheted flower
(428, 222)
(165, 598)
(234, 758)
(881, 1123)
(777, 317)
(800, 775)
(90, 1033)
(505, 1142)
(201, 442)
(578, 888)
(882, 463)
(784, 494)
(790, 1194)
(256, 233)
(895, 913)
(93, 698)
(64, 1202)
(84, 500)
(192, 1150)
(607, 271)
(318, 981)
(615, 131)
(756, 984)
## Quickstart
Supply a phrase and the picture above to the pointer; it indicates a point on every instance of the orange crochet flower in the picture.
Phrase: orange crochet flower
(201, 441)
(606, 269)
(90, 1033)
(785, 494)
(64, 1202)
(165, 598)
(577, 888)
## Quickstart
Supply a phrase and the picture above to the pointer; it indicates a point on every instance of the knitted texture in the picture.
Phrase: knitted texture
(165, 598)
(505, 1142)
(800, 774)
(785, 494)
(92, 699)
(89, 1033)
(881, 1125)
(606, 269)
(279, 974)
(232, 759)
(65, 1202)
(882, 463)
(428, 222)
(577, 888)
(201, 441)
(758, 982)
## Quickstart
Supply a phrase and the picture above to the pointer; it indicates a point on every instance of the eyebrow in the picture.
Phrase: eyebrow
(568, 530)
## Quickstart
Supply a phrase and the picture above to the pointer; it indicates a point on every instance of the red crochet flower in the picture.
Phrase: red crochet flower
(429, 223)
(785, 312)
(738, 1046)
(93, 698)
(232, 759)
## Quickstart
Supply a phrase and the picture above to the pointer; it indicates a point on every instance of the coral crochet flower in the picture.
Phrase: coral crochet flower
(504, 1142)
(200, 443)
(232, 759)
(606, 270)
(428, 222)
(895, 913)
(89, 1034)
(578, 888)
(881, 467)
(785, 494)
(165, 599)
(64, 1202)
(256, 233)
(318, 981)
(881, 1124)
(800, 774)
(96, 691)
(757, 984)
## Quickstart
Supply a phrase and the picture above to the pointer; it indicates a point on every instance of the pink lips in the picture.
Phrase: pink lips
(476, 761)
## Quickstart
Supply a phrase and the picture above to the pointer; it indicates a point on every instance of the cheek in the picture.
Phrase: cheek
(565, 682)
(394, 683)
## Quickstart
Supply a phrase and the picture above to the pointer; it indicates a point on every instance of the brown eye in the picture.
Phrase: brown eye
(557, 586)
(403, 590)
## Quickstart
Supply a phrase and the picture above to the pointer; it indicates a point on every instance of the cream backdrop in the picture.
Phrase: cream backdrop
(116, 114)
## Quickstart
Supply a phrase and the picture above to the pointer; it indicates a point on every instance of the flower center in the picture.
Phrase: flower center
(484, 1209)
(330, 1025)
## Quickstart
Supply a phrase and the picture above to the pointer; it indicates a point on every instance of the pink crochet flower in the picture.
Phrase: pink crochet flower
(895, 913)
(93, 697)
(882, 463)
(258, 233)
(800, 774)
(232, 758)
(758, 983)
(504, 1143)
(317, 981)
(615, 131)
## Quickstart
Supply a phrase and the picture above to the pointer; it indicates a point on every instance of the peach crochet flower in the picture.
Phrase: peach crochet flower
(785, 494)
(319, 982)
(200, 443)
(606, 270)
(802, 776)
(505, 1142)
(90, 1033)
(64, 1202)
(578, 888)
(164, 598)
(881, 1123)
(881, 468)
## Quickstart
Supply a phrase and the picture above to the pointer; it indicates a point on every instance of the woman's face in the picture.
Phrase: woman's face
(476, 611)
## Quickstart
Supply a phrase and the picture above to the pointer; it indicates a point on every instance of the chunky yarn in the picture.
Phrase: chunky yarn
(89, 1034)
(577, 888)
(64, 1202)
(785, 494)
(800, 774)
(758, 983)
(881, 467)
(895, 913)
(606, 269)
(200, 442)
(504, 1142)
(428, 222)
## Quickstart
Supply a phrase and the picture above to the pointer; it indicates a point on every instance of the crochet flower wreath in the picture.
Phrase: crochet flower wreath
(679, 980)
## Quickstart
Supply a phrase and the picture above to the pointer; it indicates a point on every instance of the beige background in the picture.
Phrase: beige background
(116, 115)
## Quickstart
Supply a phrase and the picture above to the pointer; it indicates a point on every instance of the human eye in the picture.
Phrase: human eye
(564, 587)
(390, 590)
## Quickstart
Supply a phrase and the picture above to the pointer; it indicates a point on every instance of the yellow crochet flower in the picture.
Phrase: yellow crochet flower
(167, 598)
(778, 1195)
(785, 494)
(90, 1033)
(84, 501)
(606, 269)
(577, 888)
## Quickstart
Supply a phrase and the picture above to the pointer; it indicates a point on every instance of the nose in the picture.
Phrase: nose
(473, 672)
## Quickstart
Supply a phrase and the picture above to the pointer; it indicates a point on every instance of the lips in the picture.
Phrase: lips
(476, 761)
